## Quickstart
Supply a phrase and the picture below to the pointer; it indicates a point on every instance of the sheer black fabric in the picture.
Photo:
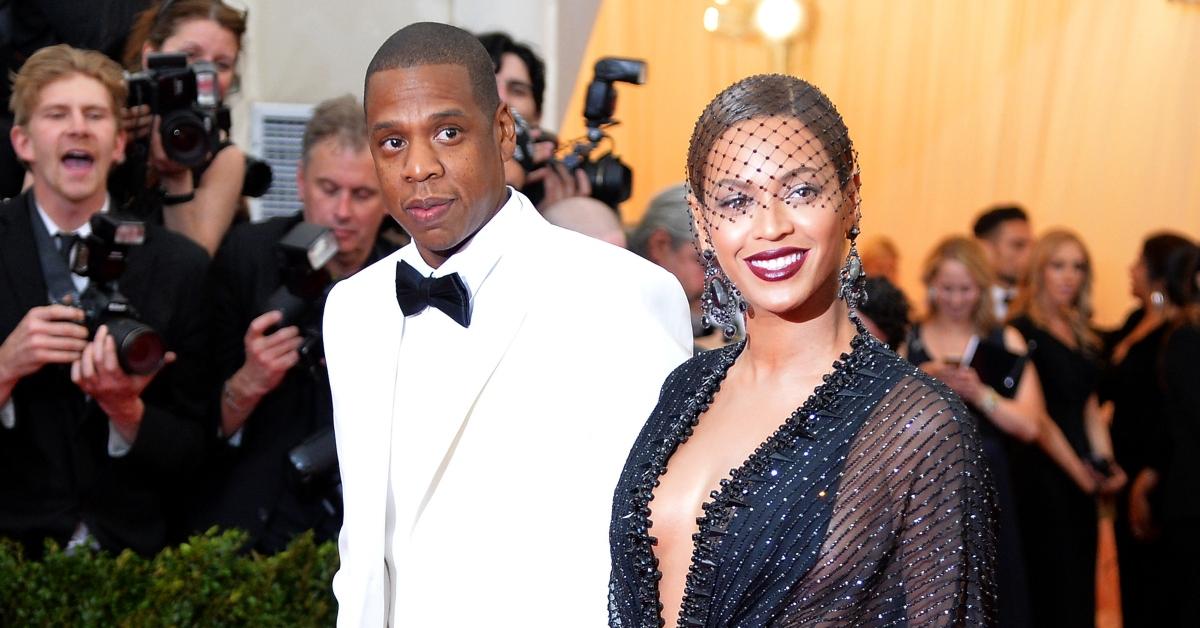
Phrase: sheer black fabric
(870, 505)
(1011, 581)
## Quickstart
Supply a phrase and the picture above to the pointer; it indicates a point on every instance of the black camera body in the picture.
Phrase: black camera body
(302, 254)
(611, 179)
(188, 102)
(102, 259)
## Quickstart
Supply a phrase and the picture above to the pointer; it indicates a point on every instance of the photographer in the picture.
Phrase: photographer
(99, 424)
(521, 79)
(202, 201)
(274, 397)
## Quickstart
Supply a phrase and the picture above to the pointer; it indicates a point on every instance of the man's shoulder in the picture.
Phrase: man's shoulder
(588, 261)
(377, 278)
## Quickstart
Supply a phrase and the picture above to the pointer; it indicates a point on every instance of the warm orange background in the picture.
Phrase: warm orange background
(1085, 112)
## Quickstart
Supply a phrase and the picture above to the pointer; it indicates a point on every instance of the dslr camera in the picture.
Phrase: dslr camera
(102, 259)
(611, 179)
(188, 102)
(302, 254)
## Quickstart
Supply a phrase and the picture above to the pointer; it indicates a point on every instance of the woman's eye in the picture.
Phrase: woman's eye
(738, 201)
(802, 192)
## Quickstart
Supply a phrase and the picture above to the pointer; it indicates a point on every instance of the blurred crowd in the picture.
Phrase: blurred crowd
(161, 369)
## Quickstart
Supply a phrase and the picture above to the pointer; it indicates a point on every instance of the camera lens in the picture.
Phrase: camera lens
(184, 138)
(140, 349)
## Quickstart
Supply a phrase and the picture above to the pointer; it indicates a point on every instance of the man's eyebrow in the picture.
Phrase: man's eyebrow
(384, 125)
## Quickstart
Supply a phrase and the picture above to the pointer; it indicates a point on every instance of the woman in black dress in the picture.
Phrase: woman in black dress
(1058, 516)
(1132, 381)
(1179, 466)
(962, 344)
(858, 492)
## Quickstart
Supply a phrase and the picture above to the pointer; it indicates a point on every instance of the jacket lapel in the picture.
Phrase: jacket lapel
(19, 256)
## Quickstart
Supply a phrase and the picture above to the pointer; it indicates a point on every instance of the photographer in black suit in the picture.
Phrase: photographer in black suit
(95, 438)
(276, 391)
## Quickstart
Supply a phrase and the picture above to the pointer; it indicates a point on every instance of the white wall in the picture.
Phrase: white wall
(305, 51)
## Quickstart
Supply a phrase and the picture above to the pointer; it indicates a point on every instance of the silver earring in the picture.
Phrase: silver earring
(852, 284)
(721, 301)
(1158, 299)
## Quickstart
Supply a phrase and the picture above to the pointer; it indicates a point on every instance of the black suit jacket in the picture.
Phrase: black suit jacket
(252, 486)
(55, 470)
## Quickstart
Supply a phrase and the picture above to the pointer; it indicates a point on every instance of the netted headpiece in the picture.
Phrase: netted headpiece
(779, 132)
(770, 139)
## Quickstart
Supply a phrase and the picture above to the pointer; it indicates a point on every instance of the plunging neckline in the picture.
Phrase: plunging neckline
(718, 509)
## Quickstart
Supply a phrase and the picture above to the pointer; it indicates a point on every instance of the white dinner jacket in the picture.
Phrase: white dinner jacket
(515, 455)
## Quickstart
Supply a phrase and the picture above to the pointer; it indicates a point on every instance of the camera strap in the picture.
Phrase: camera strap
(54, 266)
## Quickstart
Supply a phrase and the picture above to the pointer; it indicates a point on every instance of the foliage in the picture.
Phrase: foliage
(207, 581)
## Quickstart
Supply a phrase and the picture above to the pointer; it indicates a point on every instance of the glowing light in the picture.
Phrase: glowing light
(778, 20)
(712, 17)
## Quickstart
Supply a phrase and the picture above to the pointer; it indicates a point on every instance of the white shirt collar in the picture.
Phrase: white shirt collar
(479, 255)
(53, 229)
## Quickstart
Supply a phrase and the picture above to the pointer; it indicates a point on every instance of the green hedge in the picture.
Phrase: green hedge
(204, 582)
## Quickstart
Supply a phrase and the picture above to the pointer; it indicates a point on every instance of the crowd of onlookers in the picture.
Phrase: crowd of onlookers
(220, 414)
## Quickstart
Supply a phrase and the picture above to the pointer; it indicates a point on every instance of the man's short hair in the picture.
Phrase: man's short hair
(339, 119)
(497, 44)
(668, 211)
(433, 43)
(988, 222)
(54, 63)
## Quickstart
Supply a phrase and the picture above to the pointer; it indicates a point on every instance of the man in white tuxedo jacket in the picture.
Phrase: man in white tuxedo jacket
(489, 378)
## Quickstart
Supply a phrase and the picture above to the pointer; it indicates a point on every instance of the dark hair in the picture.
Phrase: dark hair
(766, 96)
(1181, 268)
(497, 44)
(888, 308)
(154, 25)
(433, 43)
(990, 220)
(1158, 249)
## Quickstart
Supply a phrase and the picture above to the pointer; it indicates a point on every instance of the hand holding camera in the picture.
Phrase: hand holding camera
(50, 334)
(269, 355)
(99, 374)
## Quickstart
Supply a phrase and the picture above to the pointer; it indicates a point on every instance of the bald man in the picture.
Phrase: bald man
(586, 215)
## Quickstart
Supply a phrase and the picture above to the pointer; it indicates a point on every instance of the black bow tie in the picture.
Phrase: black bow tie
(449, 294)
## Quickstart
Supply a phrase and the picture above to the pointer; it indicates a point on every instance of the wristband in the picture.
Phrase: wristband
(176, 199)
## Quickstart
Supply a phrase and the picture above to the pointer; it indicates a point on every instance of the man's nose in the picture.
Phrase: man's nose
(341, 211)
(422, 162)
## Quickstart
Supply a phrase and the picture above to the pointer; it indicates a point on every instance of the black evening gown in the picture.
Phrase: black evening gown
(1058, 521)
(1135, 388)
(1181, 525)
(870, 505)
(1012, 592)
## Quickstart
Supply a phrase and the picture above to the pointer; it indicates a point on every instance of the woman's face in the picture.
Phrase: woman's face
(1139, 280)
(1064, 275)
(204, 40)
(953, 292)
(776, 216)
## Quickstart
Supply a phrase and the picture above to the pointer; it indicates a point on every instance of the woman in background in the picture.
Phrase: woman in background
(1132, 381)
(1057, 512)
(199, 202)
(962, 344)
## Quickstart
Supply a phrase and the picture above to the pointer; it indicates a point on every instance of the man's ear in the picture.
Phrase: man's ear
(21, 143)
(122, 139)
(506, 131)
(659, 245)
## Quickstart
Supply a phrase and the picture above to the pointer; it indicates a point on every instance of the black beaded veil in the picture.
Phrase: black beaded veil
(769, 139)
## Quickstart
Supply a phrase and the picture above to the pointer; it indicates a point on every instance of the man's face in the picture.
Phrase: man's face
(71, 141)
(439, 156)
(1010, 247)
(340, 190)
(516, 88)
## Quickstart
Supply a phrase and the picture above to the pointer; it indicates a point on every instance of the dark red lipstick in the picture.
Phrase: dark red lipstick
(776, 264)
